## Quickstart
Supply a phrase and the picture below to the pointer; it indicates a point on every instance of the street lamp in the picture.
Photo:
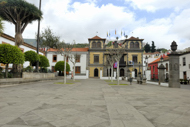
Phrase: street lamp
(146, 61)
(37, 64)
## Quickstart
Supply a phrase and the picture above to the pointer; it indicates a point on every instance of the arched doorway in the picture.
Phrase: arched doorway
(96, 72)
(135, 73)
(122, 73)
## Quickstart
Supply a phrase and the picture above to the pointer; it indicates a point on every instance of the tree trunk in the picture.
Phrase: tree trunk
(112, 74)
(117, 72)
(74, 73)
(65, 70)
(109, 73)
(6, 71)
(18, 34)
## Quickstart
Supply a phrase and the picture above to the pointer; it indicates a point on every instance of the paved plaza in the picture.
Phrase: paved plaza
(93, 103)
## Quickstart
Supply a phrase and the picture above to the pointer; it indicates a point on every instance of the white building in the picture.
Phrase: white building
(184, 61)
(81, 64)
(6, 39)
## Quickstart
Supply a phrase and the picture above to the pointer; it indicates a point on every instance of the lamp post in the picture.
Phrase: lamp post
(146, 60)
(37, 64)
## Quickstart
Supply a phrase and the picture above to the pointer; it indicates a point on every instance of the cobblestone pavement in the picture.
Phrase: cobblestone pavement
(93, 103)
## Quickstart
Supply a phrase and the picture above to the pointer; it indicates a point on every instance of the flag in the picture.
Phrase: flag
(124, 33)
(121, 33)
(115, 32)
(107, 34)
(115, 65)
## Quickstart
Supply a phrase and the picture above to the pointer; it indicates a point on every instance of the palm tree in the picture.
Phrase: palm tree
(1, 26)
(20, 13)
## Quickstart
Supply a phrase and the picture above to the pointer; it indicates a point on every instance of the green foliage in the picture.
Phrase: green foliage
(81, 45)
(48, 39)
(153, 47)
(10, 75)
(11, 54)
(162, 49)
(109, 43)
(28, 69)
(44, 62)
(31, 56)
(27, 12)
(59, 66)
(147, 48)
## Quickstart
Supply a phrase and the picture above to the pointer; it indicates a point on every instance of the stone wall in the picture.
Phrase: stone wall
(27, 75)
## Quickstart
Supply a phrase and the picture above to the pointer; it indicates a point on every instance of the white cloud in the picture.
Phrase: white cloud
(153, 5)
(80, 21)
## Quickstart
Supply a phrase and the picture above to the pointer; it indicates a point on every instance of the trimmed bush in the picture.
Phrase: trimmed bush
(59, 66)
(10, 54)
(31, 56)
(44, 62)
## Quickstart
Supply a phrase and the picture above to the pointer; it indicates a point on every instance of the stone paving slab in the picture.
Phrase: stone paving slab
(93, 103)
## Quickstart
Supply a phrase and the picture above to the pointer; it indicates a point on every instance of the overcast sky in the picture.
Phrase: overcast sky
(161, 21)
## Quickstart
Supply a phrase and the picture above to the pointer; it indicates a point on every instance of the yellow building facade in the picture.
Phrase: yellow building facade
(130, 61)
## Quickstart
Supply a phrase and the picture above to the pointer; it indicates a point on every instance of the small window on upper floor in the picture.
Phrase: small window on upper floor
(132, 45)
(54, 58)
(99, 45)
(135, 59)
(184, 61)
(93, 44)
(136, 45)
(78, 58)
(96, 59)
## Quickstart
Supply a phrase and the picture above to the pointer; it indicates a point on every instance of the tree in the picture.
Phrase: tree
(59, 66)
(147, 48)
(73, 58)
(111, 60)
(117, 53)
(48, 40)
(20, 13)
(31, 56)
(64, 49)
(1, 26)
(44, 62)
(10, 54)
(153, 47)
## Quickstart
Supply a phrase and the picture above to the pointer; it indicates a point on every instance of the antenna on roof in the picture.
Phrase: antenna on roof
(96, 32)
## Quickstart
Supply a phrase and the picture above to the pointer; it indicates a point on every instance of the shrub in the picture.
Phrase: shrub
(59, 66)
(10, 54)
(44, 62)
(31, 56)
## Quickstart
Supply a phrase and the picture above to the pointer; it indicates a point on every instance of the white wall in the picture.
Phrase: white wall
(82, 63)
(186, 67)
(21, 46)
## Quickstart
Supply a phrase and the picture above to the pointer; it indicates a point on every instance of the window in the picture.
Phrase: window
(184, 61)
(78, 58)
(153, 69)
(99, 45)
(96, 59)
(135, 59)
(67, 59)
(77, 69)
(136, 45)
(93, 44)
(132, 45)
(54, 58)
(167, 67)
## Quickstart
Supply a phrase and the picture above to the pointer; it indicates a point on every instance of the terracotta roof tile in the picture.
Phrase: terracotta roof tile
(97, 38)
(157, 60)
(73, 50)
